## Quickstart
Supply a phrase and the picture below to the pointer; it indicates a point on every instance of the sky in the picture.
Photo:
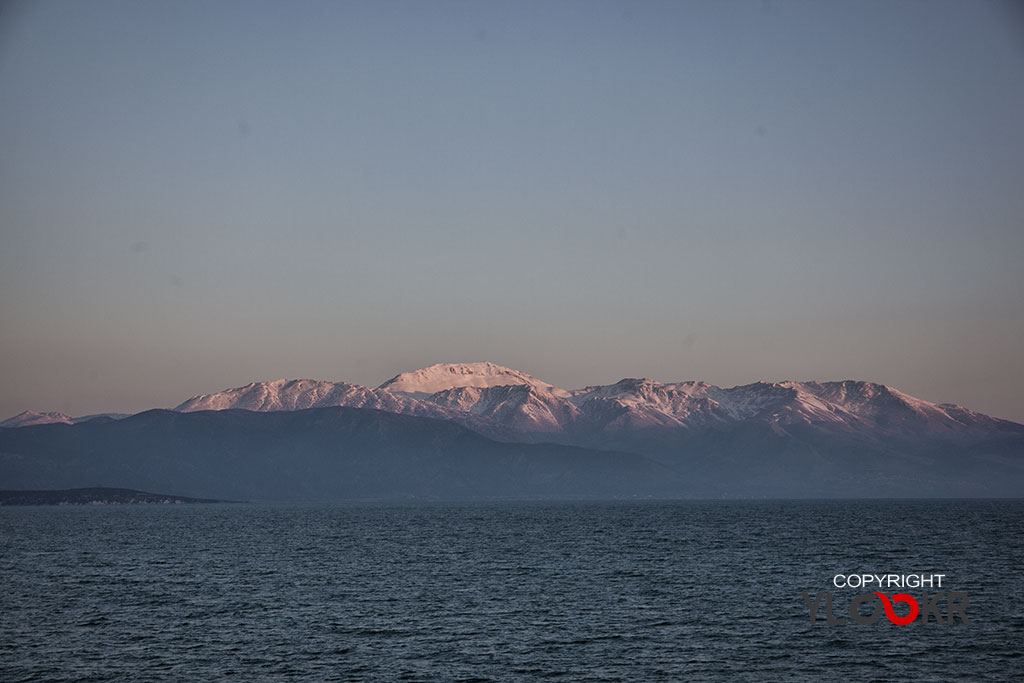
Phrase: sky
(196, 195)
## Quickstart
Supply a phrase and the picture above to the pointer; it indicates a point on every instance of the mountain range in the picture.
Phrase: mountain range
(846, 438)
(27, 418)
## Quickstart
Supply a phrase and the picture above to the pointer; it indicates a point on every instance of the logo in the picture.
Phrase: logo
(923, 608)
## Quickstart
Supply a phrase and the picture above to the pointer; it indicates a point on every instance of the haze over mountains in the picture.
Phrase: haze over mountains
(534, 409)
(845, 438)
(27, 418)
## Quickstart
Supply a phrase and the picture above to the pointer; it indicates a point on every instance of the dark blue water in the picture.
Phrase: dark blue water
(507, 591)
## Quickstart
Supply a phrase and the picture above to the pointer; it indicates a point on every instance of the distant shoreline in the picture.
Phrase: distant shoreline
(97, 496)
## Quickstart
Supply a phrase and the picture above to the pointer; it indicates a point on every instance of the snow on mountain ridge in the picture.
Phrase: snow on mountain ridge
(300, 394)
(870, 403)
(645, 402)
(28, 418)
(520, 406)
(484, 374)
(281, 394)
(31, 418)
(485, 395)
(509, 404)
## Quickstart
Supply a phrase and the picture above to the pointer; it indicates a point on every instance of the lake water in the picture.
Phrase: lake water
(643, 591)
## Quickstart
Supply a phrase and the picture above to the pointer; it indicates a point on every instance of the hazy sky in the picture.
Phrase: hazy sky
(196, 195)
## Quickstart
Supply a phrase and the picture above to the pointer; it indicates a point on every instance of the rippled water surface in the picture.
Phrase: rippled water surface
(504, 591)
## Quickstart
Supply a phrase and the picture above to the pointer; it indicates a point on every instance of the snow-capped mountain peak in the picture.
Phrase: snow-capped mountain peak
(443, 376)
